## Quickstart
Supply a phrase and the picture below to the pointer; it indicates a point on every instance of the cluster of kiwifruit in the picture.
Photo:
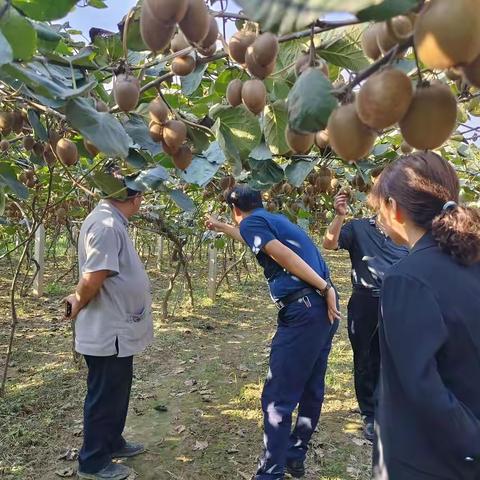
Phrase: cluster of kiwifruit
(302, 143)
(172, 134)
(11, 122)
(251, 93)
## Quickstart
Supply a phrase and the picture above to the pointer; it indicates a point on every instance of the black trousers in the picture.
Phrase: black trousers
(363, 335)
(105, 411)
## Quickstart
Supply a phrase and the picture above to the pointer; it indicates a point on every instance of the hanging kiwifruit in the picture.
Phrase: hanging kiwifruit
(212, 35)
(238, 44)
(227, 183)
(287, 189)
(156, 131)
(254, 95)
(49, 156)
(369, 41)
(156, 33)
(447, 33)
(179, 42)
(158, 110)
(234, 92)
(126, 91)
(349, 137)
(393, 32)
(168, 11)
(28, 142)
(207, 52)
(4, 145)
(406, 148)
(90, 147)
(169, 150)
(67, 152)
(472, 72)
(384, 98)
(196, 22)
(303, 62)
(53, 138)
(431, 118)
(299, 143)
(321, 139)
(174, 134)
(322, 184)
(183, 66)
(183, 158)
(6, 121)
(359, 183)
(38, 149)
(17, 122)
(101, 106)
(255, 69)
(265, 49)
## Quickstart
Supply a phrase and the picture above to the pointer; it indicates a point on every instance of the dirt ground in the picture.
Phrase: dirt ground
(196, 396)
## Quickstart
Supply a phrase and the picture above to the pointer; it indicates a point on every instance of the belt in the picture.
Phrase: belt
(288, 299)
(372, 292)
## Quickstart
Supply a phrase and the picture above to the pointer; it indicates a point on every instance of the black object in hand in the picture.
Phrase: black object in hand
(68, 309)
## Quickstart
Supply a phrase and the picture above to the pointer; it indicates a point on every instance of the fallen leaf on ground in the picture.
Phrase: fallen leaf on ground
(200, 445)
(65, 472)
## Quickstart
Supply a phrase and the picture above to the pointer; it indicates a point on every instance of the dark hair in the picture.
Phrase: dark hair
(422, 183)
(244, 197)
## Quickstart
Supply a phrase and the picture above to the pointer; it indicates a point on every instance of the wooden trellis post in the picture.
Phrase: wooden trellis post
(38, 284)
(159, 252)
(212, 272)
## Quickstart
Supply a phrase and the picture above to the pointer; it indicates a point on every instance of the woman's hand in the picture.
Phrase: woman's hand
(331, 299)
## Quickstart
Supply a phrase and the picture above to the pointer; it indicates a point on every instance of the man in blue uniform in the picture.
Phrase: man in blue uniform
(372, 253)
(300, 286)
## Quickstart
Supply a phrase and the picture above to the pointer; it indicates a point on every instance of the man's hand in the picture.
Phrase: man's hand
(212, 223)
(333, 312)
(341, 204)
(76, 306)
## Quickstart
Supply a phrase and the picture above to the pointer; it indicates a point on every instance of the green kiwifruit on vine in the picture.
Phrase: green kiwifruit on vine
(254, 95)
(174, 134)
(299, 143)
(156, 131)
(158, 110)
(384, 98)
(6, 121)
(179, 42)
(168, 11)
(406, 148)
(183, 66)
(393, 32)
(126, 91)
(369, 41)
(101, 106)
(349, 137)
(255, 69)
(238, 45)
(156, 34)
(67, 152)
(4, 145)
(321, 139)
(234, 92)
(265, 49)
(28, 142)
(447, 33)
(196, 22)
(472, 72)
(431, 118)
(90, 147)
(183, 158)
(212, 35)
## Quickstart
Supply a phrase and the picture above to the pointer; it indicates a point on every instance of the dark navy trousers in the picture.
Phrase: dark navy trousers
(296, 378)
(105, 411)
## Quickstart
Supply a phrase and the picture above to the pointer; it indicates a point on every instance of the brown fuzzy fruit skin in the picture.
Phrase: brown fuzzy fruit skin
(183, 158)
(101, 106)
(254, 95)
(226, 183)
(49, 156)
(472, 72)
(67, 152)
(38, 149)
(207, 52)
(174, 134)
(431, 118)
(321, 139)
(6, 121)
(179, 42)
(303, 63)
(126, 91)
(384, 98)
(238, 45)
(196, 22)
(234, 92)
(17, 122)
(369, 42)
(255, 69)
(53, 138)
(183, 66)
(447, 33)
(28, 142)
(156, 34)
(158, 110)
(265, 49)
(156, 132)
(349, 137)
(406, 148)
(169, 150)
(212, 34)
(298, 142)
(167, 11)
(92, 150)
(4, 145)
(401, 27)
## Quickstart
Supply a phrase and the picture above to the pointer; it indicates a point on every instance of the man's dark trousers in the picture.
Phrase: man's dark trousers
(363, 334)
(105, 411)
(296, 377)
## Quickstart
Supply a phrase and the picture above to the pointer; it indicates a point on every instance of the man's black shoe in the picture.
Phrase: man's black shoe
(369, 431)
(296, 468)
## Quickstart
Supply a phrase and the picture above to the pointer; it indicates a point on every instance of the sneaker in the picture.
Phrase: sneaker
(114, 471)
(130, 449)
(369, 430)
(296, 468)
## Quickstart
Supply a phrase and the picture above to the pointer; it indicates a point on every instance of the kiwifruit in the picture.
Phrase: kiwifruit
(238, 44)
(31, 182)
(156, 132)
(446, 33)
(472, 72)
(49, 156)
(28, 142)
(287, 189)
(101, 106)
(17, 122)
(234, 92)
(67, 152)
(183, 66)
(309, 189)
(156, 34)
(406, 148)
(349, 137)
(254, 95)
(183, 158)
(226, 183)
(359, 183)
(384, 98)
(61, 213)
(369, 41)
(179, 42)
(38, 149)
(126, 91)
(6, 121)
(322, 184)
(299, 143)
(334, 183)
(324, 172)
(255, 69)
(174, 134)
(196, 22)
(169, 150)
(53, 138)
(207, 52)
(321, 139)
(431, 118)
(212, 35)
(158, 110)
(392, 33)
(265, 49)
(345, 190)
(90, 147)
(168, 11)
(4, 145)
(303, 62)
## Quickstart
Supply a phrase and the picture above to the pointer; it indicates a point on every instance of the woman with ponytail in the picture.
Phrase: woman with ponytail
(428, 424)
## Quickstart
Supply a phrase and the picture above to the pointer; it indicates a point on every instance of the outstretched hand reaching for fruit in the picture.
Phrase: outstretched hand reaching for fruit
(341, 204)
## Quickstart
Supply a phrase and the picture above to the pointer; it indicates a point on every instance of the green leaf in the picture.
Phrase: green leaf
(276, 119)
(310, 102)
(2, 201)
(38, 128)
(8, 179)
(6, 53)
(102, 129)
(191, 82)
(148, 179)
(204, 167)
(136, 160)
(289, 53)
(19, 33)
(48, 38)
(138, 131)
(182, 200)
(265, 173)
(45, 9)
(109, 185)
(224, 78)
(345, 53)
(387, 9)
(97, 4)
(297, 171)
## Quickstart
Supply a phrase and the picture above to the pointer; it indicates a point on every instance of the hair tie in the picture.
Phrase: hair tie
(449, 206)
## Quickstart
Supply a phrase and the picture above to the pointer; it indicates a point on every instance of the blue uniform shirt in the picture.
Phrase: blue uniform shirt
(261, 227)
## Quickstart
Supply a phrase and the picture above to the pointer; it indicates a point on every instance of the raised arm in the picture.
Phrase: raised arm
(330, 242)
(212, 223)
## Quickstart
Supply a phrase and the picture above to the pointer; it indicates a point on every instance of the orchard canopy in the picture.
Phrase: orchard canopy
(189, 96)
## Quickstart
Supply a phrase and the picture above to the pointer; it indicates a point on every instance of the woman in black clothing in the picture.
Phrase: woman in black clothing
(428, 424)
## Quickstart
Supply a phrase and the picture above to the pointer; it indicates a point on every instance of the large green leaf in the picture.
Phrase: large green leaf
(310, 102)
(345, 53)
(45, 9)
(138, 131)
(182, 200)
(191, 82)
(276, 120)
(148, 179)
(38, 128)
(297, 171)
(6, 52)
(387, 9)
(102, 129)
(8, 179)
(108, 185)
(204, 167)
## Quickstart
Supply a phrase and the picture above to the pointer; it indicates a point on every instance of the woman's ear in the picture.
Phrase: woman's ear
(397, 211)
